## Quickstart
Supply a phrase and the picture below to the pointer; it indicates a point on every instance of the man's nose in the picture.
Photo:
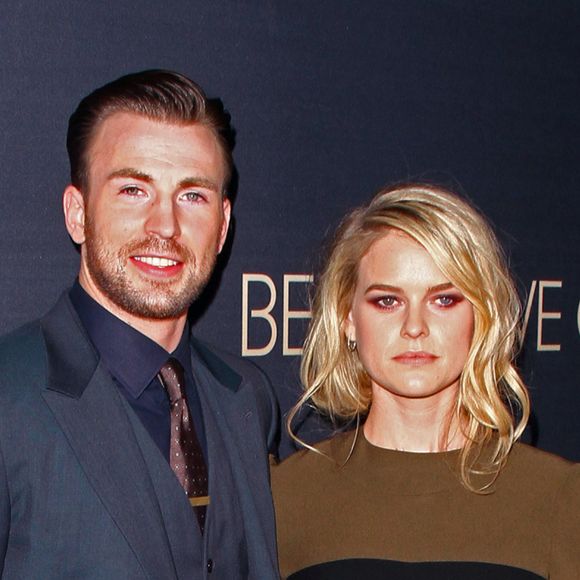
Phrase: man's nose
(162, 220)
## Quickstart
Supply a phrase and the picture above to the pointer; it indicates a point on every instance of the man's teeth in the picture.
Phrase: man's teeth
(155, 261)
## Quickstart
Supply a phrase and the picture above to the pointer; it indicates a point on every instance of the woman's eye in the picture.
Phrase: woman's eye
(447, 300)
(387, 302)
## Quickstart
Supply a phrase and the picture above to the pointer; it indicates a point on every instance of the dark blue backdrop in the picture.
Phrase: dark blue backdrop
(331, 100)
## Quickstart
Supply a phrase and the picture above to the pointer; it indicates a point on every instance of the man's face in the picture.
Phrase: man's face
(153, 219)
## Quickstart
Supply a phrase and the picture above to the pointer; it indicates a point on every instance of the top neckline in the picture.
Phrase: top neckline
(401, 472)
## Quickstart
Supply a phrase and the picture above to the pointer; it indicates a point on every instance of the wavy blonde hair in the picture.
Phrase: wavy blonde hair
(492, 404)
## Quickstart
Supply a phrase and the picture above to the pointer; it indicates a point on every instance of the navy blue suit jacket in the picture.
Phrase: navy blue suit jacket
(84, 491)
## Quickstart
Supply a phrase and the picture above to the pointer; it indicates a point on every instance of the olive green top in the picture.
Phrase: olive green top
(395, 506)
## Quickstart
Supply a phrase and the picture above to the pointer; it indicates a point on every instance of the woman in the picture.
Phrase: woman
(414, 331)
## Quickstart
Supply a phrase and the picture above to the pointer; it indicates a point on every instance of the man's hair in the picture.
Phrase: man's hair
(465, 249)
(159, 95)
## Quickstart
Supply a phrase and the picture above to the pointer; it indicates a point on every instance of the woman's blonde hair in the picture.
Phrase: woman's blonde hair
(492, 405)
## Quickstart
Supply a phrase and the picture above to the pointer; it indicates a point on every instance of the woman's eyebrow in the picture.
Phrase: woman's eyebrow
(383, 288)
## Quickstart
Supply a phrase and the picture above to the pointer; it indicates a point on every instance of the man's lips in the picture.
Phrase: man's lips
(415, 357)
(157, 265)
(157, 261)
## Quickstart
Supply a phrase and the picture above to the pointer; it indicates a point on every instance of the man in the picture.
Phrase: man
(129, 449)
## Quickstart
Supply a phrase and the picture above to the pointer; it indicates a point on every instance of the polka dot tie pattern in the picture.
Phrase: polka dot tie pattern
(186, 456)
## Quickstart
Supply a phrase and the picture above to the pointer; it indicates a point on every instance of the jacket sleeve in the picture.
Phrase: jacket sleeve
(4, 512)
(268, 410)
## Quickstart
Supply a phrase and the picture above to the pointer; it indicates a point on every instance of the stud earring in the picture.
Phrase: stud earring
(351, 344)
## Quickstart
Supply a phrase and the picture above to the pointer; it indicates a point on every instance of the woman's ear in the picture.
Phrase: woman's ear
(349, 329)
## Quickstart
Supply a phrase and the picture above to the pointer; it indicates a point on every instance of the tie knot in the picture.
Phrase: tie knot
(172, 377)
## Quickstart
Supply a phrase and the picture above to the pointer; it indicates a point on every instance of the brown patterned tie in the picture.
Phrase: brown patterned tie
(186, 456)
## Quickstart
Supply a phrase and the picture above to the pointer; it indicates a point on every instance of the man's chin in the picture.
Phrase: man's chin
(149, 299)
(160, 314)
(168, 309)
(151, 303)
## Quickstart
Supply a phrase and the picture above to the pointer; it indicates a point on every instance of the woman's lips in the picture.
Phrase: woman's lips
(415, 358)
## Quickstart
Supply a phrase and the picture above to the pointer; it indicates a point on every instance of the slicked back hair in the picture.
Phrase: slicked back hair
(159, 95)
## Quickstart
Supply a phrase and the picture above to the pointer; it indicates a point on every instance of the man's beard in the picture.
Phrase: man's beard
(146, 298)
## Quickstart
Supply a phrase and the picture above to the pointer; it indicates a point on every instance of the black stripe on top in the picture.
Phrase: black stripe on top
(371, 569)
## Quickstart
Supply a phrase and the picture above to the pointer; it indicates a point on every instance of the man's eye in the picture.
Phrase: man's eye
(132, 190)
(192, 196)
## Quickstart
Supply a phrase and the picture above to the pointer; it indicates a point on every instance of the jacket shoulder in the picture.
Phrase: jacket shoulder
(23, 346)
(23, 363)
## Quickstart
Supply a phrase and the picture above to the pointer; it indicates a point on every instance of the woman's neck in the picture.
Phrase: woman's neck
(416, 425)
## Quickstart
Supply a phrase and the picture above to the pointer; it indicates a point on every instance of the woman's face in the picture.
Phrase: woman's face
(413, 328)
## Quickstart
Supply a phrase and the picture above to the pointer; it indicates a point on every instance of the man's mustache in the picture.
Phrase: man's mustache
(154, 245)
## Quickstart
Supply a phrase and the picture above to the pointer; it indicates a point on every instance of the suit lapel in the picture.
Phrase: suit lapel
(232, 406)
(87, 405)
(185, 539)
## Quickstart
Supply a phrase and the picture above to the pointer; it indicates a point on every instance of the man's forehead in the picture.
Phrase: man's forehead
(125, 134)
(127, 119)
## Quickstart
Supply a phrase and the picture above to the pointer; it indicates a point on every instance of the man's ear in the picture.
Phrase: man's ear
(73, 205)
(227, 210)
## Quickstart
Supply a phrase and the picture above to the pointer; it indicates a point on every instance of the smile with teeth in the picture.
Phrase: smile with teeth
(156, 261)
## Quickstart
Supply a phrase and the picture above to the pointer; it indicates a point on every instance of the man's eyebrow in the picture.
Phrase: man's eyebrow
(198, 182)
(132, 174)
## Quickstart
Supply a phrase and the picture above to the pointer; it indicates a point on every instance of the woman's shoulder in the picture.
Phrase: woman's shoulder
(323, 456)
(542, 477)
(556, 484)
(541, 466)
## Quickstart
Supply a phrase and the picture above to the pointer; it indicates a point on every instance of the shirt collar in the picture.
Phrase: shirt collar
(132, 358)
